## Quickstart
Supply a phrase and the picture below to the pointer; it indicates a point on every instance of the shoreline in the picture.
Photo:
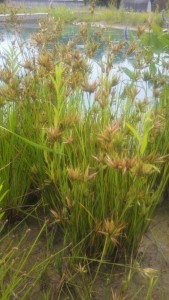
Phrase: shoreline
(37, 16)
(23, 16)
(26, 17)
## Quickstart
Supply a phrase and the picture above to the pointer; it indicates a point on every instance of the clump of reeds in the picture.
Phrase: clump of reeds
(101, 169)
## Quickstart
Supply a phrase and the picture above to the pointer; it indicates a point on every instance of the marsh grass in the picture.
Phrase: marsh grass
(110, 15)
(26, 259)
(99, 172)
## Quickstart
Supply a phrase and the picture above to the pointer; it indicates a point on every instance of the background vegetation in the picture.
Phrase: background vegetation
(84, 159)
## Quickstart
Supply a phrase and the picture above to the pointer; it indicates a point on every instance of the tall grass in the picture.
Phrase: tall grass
(99, 171)
(111, 15)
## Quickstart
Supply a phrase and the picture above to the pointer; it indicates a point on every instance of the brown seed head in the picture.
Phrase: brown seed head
(54, 134)
(74, 174)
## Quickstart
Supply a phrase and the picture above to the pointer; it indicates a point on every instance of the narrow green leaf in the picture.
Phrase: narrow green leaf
(133, 130)
(128, 72)
(144, 143)
(31, 143)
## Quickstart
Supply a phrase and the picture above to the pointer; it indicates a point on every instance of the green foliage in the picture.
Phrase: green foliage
(98, 166)
(111, 15)
(1, 199)
(157, 39)
(143, 138)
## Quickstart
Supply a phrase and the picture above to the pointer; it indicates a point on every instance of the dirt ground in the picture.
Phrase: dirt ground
(153, 254)
(153, 257)
(155, 251)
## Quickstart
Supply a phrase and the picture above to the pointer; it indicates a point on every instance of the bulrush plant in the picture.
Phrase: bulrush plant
(14, 166)
(23, 268)
(105, 175)
(100, 169)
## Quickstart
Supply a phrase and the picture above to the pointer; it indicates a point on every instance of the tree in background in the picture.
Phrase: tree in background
(115, 3)
(162, 4)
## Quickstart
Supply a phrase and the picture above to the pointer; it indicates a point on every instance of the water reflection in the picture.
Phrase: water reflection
(23, 33)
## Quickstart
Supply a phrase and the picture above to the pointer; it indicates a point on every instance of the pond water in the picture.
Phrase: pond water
(8, 37)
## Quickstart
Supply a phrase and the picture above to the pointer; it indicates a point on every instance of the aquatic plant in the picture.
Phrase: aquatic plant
(99, 166)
